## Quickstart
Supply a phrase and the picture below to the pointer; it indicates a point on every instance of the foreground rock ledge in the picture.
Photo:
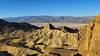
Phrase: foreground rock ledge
(90, 44)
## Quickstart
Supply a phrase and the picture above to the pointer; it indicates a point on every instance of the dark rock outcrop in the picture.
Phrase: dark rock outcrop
(13, 26)
(5, 53)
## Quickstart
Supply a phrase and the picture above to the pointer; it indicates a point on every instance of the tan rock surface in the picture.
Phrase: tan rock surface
(17, 51)
(90, 45)
(56, 40)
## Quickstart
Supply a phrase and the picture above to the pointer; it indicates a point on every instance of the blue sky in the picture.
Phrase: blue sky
(13, 8)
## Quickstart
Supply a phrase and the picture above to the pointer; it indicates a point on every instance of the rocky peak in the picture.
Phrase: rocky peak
(49, 26)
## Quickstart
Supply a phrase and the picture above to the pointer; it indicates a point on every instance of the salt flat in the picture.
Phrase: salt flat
(61, 24)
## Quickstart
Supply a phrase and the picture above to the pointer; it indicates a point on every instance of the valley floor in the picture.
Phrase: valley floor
(61, 24)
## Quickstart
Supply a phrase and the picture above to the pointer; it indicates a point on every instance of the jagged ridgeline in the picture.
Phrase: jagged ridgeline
(23, 39)
(50, 19)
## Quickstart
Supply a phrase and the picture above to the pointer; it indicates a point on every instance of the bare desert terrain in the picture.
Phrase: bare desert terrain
(61, 24)
(50, 39)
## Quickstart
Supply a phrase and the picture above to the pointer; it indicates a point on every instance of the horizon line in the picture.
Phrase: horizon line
(47, 15)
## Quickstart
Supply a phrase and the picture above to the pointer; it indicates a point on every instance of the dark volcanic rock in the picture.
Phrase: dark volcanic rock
(12, 26)
(67, 29)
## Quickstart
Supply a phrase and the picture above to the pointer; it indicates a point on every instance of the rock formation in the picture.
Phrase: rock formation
(90, 43)
(48, 40)
(13, 26)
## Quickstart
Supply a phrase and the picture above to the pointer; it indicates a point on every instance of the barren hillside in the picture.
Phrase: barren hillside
(23, 39)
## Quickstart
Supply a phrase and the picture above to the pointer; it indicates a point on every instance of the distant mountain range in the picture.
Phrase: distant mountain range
(50, 19)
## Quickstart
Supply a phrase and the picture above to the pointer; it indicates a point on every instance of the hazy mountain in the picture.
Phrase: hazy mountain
(46, 19)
